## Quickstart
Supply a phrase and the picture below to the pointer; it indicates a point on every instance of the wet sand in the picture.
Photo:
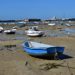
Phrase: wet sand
(14, 61)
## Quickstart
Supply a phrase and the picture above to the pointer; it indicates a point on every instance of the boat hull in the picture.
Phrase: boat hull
(1, 31)
(34, 35)
(43, 51)
(10, 32)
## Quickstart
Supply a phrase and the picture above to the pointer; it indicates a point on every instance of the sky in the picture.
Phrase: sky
(44, 9)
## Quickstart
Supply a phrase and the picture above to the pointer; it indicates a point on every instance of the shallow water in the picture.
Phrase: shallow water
(53, 33)
(69, 31)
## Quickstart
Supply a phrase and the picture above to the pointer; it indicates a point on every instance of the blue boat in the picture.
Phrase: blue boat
(40, 49)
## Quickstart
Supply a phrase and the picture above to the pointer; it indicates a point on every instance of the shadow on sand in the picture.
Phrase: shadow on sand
(61, 57)
(64, 56)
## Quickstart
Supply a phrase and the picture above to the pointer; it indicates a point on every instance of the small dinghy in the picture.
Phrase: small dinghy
(40, 49)
(1, 29)
(34, 32)
(12, 31)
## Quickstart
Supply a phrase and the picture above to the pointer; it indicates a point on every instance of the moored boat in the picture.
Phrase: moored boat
(34, 32)
(51, 24)
(12, 31)
(40, 49)
(1, 29)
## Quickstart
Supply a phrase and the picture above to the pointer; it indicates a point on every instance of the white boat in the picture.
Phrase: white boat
(51, 24)
(34, 32)
(1, 29)
(67, 24)
(12, 31)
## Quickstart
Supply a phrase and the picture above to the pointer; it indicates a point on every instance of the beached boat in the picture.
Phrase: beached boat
(51, 24)
(34, 32)
(40, 49)
(1, 29)
(12, 31)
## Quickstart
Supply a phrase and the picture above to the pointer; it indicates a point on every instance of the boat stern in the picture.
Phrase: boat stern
(60, 50)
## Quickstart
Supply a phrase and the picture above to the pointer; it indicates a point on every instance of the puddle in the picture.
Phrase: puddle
(69, 31)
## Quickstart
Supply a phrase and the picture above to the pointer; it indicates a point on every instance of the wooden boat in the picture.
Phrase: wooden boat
(34, 32)
(40, 49)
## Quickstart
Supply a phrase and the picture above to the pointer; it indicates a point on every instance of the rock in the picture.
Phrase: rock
(26, 63)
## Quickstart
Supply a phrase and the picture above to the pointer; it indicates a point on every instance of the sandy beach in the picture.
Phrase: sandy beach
(14, 61)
